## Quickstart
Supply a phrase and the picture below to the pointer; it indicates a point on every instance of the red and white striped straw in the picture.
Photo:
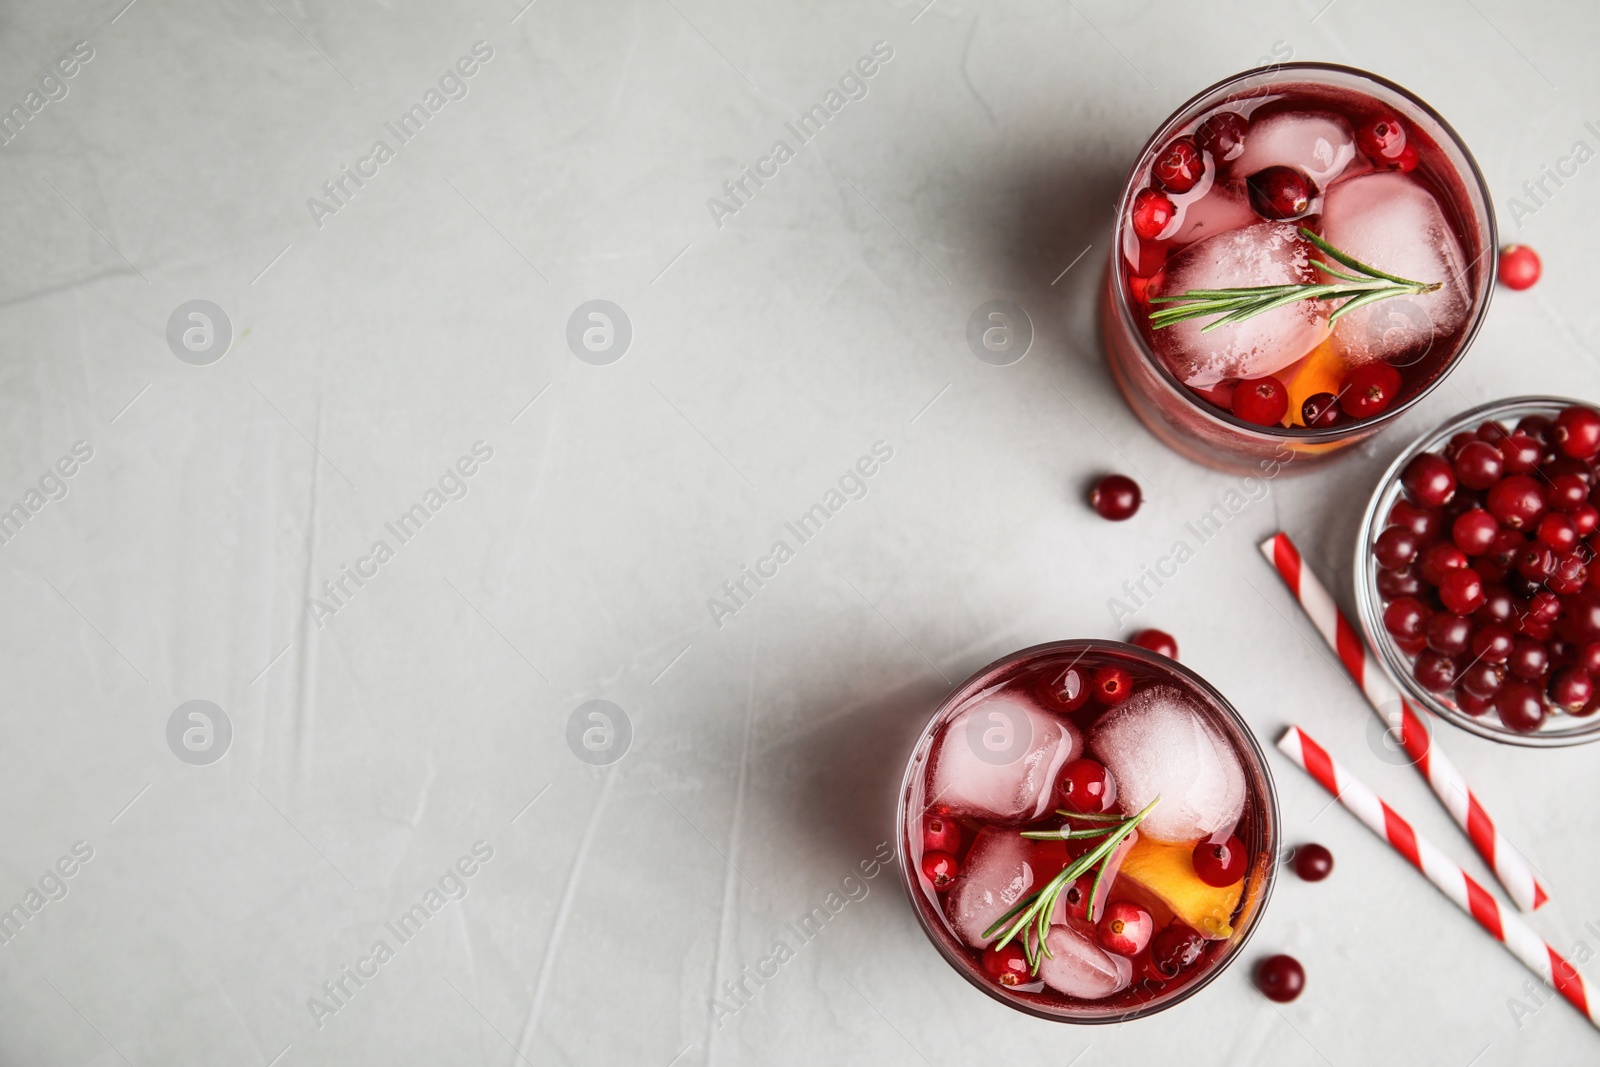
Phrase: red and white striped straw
(1447, 877)
(1401, 716)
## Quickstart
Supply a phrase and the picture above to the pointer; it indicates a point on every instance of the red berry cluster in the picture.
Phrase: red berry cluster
(1487, 569)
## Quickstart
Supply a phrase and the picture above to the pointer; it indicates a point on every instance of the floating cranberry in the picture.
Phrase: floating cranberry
(1125, 928)
(1382, 138)
(1261, 401)
(1222, 134)
(1396, 548)
(1176, 948)
(1221, 864)
(1434, 672)
(1429, 480)
(1448, 633)
(941, 869)
(1519, 266)
(1313, 862)
(1571, 689)
(1577, 432)
(1517, 501)
(1152, 213)
(1406, 618)
(1405, 162)
(1479, 465)
(941, 835)
(1493, 642)
(1158, 641)
(1008, 966)
(1473, 532)
(1111, 686)
(1280, 193)
(1077, 896)
(1066, 689)
(1115, 497)
(1280, 978)
(1519, 707)
(1179, 167)
(1320, 411)
(1086, 787)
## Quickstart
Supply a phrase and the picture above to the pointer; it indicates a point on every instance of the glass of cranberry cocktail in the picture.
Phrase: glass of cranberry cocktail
(1301, 253)
(1087, 831)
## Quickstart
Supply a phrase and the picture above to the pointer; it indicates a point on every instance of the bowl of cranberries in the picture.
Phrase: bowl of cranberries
(1476, 578)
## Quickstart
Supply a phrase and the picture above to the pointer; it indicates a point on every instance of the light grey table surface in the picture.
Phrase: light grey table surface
(381, 734)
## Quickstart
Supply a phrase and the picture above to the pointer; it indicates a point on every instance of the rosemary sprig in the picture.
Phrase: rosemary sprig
(1359, 286)
(1035, 910)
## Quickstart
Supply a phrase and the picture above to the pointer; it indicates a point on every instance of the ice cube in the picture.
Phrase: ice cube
(1080, 968)
(1160, 744)
(1319, 144)
(998, 873)
(1392, 222)
(1223, 210)
(1265, 253)
(999, 758)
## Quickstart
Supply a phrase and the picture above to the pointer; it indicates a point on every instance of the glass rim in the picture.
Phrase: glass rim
(1252, 749)
(1310, 435)
(1391, 660)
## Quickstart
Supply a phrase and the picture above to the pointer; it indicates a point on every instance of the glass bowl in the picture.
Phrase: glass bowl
(1258, 828)
(1558, 729)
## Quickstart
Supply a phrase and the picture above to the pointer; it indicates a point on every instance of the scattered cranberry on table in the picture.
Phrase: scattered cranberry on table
(1115, 497)
(1313, 862)
(1158, 641)
(1487, 569)
(1519, 266)
(1280, 978)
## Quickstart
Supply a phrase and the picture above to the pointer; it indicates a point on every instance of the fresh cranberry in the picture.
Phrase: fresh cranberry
(1008, 966)
(1395, 548)
(1583, 616)
(1498, 604)
(1313, 862)
(1280, 193)
(1429, 480)
(1543, 606)
(1406, 618)
(1261, 401)
(1176, 948)
(941, 835)
(1577, 432)
(1457, 442)
(1521, 453)
(1086, 787)
(1519, 266)
(1222, 134)
(1066, 689)
(1438, 559)
(1517, 501)
(1569, 576)
(1423, 522)
(1519, 706)
(1472, 704)
(1503, 549)
(1528, 659)
(1449, 634)
(1382, 137)
(1493, 642)
(1280, 978)
(1320, 411)
(1473, 532)
(1152, 213)
(1369, 390)
(1532, 628)
(1077, 896)
(1567, 492)
(1434, 672)
(1464, 501)
(1537, 427)
(1586, 519)
(1571, 689)
(1221, 864)
(1481, 679)
(941, 869)
(1115, 497)
(1392, 584)
(1125, 928)
(1179, 167)
(1478, 465)
(1158, 641)
(1492, 432)
(1588, 657)
(1536, 561)
(1111, 686)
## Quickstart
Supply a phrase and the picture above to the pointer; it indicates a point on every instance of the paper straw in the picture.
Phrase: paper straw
(1401, 716)
(1447, 877)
